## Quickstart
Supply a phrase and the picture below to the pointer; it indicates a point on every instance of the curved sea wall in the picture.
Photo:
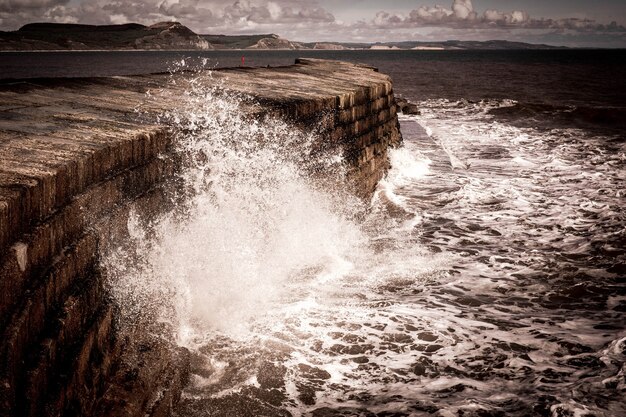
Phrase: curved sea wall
(76, 157)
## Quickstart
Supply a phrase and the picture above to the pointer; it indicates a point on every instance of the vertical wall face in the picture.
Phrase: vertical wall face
(364, 125)
(369, 127)
(352, 106)
(70, 172)
(59, 345)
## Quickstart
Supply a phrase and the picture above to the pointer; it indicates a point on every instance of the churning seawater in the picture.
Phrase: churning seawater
(485, 278)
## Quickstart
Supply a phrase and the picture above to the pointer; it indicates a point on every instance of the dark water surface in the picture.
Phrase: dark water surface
(488, 277)
(560, 77)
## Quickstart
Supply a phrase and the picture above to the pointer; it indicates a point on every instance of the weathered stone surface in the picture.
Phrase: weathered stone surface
(411, 109)
(406, 107)
(74, 155)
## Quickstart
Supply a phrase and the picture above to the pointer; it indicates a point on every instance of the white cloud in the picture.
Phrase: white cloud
(513, 18)
(13, 5)
(461, 15)
(464, 10)
(307, 20)
(200, 15)
(430, 14)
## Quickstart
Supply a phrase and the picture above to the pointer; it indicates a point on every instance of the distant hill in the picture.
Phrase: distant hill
(447, 45)
(55, 36)
(276, 42)
(270, 41)
(175, 36)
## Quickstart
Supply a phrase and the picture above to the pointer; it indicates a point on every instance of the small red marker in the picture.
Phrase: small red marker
(243, 61)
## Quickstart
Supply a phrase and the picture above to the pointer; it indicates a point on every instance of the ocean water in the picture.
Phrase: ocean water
(487, 276)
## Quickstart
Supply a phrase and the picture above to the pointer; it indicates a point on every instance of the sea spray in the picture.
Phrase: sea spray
(253, 217)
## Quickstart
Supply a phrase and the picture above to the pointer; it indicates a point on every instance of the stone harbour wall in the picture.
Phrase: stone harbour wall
(352, 106)
(75, 157)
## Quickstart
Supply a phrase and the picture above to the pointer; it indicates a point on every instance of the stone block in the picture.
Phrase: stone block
(49, 361)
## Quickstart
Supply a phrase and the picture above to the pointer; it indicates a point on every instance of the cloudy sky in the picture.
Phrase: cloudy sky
(563, 22)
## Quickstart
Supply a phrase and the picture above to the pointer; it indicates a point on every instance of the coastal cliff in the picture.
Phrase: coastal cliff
(176, 36)
(75, 37)
(77, 157)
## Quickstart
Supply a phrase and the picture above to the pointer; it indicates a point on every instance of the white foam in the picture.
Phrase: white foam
(408, 166)
(523, 162)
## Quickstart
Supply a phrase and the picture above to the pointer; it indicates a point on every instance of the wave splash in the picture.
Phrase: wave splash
(259, 211)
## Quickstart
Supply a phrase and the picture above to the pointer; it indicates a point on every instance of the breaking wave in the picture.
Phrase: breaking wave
(256, 215)
(482, 279)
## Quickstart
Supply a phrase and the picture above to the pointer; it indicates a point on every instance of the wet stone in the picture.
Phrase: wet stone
(393, 347)
(514, 347)
(424, 366)
(352, 349)
(317, 346)
(449, 370)
(383, 304)
(454, 389)
(428, 348)
(588, 362)
(397, 338)
(378, 326)
(272, 396)
(341, 412)
(352, 338)
(427, 337)
(349, 326)
(574, 348)
(313, 373)
(621, 307)
(325, 412)
(411, 109)
(306, 393)
(611, 383)
(543, 406)
(271, 376)
(561, 411)
(406, 107)
(469, 301)
(551, 376)
(426, 408)
(199, 366)
(607, 326)
(618, 268)
(362, 397)
(419, 369)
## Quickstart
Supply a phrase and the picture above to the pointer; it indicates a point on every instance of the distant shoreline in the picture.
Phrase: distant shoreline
(307, 50)
(174, 36)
